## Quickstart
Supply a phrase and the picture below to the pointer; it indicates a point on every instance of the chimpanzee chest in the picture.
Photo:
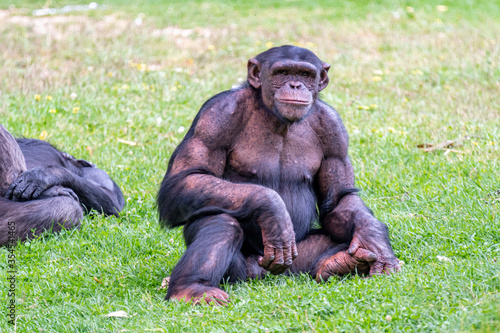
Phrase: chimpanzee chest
(266, 157)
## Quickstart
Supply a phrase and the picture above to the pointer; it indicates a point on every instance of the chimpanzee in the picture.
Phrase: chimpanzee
(42, 188)
(260, 167)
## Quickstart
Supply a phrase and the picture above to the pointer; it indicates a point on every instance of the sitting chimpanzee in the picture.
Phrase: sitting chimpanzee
(43, 189)
(259, 167)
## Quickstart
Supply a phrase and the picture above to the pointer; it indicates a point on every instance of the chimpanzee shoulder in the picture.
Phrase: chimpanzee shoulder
(330, 130)
(41, 153)
(216, 122)
(220, 118)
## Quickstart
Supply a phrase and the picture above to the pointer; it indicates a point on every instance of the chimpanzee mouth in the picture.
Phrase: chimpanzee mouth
(294, 101)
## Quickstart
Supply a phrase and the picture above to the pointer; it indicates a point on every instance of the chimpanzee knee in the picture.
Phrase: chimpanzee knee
(218, 227)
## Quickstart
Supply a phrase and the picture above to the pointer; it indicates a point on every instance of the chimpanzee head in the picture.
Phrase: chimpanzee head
(290, 79)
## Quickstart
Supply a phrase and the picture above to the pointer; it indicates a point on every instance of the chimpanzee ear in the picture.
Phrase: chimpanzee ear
(324, 80)
(254, 73)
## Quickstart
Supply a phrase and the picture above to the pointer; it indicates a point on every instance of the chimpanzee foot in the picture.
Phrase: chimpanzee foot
(200, 294)
(342, 263)
(254, 271)
(58, 191)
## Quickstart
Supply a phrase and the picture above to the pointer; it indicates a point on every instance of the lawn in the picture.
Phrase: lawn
(120, 86)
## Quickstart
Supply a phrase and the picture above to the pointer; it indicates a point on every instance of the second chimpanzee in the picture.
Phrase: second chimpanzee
(260, 165)
(42, 188)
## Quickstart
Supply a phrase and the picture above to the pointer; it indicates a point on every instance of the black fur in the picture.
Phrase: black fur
(51, 192)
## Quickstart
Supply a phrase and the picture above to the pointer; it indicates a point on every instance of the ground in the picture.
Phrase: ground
(120, 86)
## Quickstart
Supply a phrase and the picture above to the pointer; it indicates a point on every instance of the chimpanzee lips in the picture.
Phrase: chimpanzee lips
(295, 101)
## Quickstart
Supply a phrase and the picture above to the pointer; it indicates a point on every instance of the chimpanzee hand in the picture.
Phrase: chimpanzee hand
(278, 235)
(372, 235)
(58, 191)
(279, 246)
(31, 184)
(279, 254)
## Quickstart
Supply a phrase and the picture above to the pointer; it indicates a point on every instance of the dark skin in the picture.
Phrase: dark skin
(42, 188)
(247, 179)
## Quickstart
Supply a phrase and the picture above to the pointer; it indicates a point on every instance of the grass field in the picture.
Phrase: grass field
(120, 87)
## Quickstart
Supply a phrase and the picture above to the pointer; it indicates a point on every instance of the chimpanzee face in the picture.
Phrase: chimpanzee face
(289, 87)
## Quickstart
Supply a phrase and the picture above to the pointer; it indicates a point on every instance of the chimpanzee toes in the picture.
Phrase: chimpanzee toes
(216, 296)
(342, 263)
(200, 294)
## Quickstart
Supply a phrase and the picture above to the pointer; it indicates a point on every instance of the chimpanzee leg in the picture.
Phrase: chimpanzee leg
(322, 258)
(57, 207)
(213, 243)
(24, 220)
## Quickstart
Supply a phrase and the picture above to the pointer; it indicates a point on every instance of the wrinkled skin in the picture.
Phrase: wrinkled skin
(248, 177)
(44, 189)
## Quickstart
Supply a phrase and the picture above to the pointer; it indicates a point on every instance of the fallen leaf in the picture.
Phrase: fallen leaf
(127, 142)
(441, 145)
(117, 314)
(427, 147)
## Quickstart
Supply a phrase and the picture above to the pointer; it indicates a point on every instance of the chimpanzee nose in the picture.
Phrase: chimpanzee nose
(295, 84)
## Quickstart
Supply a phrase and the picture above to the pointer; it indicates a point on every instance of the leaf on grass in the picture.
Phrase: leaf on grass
(117, 314)
(431, 147)
(443, 258)
(164, 283)
(446, 145)
(127, 142)
(97, 280)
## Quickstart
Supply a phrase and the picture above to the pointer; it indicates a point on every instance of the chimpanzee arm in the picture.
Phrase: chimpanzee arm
(93, 186)
(99, 192)
(343, 214)
(193, 187)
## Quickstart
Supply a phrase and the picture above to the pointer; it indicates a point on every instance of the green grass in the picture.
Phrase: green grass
(399, 78)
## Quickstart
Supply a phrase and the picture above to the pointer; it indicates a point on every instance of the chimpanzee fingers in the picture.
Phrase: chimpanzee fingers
(278, 265)
(18, 191)
(66, 192)
(268, 258)
(288, 255)
(22, 192)
(365, 255)
(353, 247)
(37, 193)
(10, 192)
(391, 268)
(58, 191)
(377, 268)
(295, 252)
(72, 194)
(28, 193)
(14, 188)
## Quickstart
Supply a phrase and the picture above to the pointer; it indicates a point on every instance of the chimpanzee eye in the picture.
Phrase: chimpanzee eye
(304, 74)
(283, 72)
